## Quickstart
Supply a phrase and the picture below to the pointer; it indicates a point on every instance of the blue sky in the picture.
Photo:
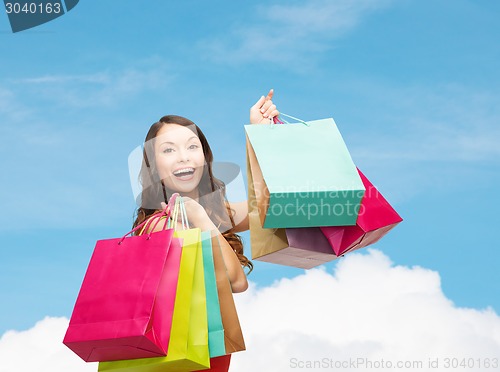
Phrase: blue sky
(413, 87)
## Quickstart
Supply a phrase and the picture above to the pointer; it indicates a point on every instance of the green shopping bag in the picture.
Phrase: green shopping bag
(188, 347)
(216, 344)
(303, 175)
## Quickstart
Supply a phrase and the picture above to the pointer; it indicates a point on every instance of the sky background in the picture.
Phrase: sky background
(413, 86)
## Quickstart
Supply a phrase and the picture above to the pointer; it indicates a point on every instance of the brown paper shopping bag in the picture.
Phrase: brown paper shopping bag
(233, 337)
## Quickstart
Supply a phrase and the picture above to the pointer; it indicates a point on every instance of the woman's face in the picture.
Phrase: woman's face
(179, 158)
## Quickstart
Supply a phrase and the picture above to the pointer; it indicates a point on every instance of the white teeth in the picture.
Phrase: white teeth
(183, 170)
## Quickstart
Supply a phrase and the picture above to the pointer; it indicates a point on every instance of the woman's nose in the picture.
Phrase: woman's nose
(183, 156)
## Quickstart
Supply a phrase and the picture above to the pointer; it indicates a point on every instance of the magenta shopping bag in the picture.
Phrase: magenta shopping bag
(125, 305)
(376, 217)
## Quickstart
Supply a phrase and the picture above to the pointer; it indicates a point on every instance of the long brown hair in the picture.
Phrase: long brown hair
(211, 188)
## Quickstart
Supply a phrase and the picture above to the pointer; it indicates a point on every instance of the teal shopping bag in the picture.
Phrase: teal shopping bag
(303, 175)
(216, 344)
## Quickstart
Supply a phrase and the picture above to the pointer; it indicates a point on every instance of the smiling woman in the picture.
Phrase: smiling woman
(177, 159)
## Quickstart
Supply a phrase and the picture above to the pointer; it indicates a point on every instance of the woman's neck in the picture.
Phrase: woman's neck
(194, 194)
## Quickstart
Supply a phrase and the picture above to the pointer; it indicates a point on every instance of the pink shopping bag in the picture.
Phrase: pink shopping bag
(125, 305)
(376, 217)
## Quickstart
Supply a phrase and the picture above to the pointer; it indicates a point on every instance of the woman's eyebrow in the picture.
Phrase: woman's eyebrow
(172, 143)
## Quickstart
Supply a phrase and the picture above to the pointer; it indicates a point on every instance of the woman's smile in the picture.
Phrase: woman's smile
(184, 174)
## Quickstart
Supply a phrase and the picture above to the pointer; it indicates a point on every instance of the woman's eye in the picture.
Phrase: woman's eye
(193, 147)
(168, 150)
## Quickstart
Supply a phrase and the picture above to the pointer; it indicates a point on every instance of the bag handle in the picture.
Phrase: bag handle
(167, 211)
(179, 208)
(277, 120)
(150, 221)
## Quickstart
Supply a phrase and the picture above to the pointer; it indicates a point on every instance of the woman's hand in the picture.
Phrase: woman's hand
(264, 110)
(196, 214)
(198, 218)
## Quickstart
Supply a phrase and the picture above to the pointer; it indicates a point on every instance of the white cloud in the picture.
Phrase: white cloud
(99, 89)
(289, 35)
(368, 308)
(40, 349)
(97, 78)
(11, 109)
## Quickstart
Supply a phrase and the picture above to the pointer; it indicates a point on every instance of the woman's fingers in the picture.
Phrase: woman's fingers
(263, 109)
(271, 112)
(268, 108)
(263, 101)
(259, 103)
(270, 95)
